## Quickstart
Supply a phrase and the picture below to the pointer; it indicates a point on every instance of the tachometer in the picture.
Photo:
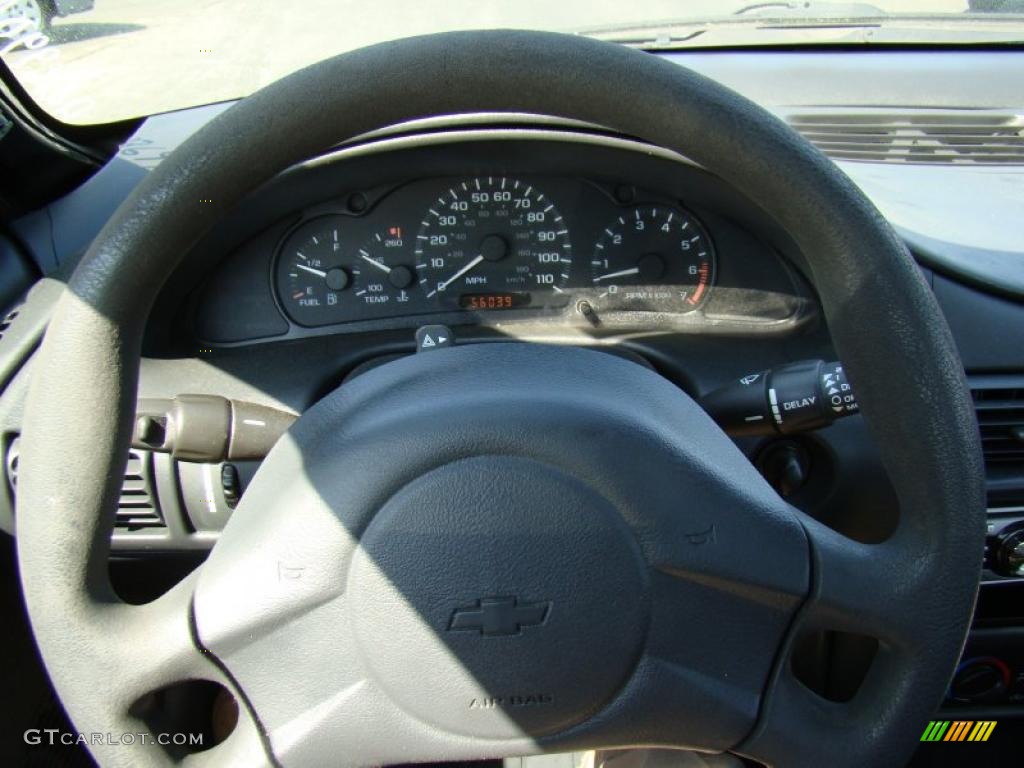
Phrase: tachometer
(653, 258)
(493, 243)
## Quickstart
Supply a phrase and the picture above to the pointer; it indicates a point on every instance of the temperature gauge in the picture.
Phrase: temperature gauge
(385, 275)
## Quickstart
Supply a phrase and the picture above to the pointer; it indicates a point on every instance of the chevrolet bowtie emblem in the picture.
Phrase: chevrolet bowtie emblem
(499, 616)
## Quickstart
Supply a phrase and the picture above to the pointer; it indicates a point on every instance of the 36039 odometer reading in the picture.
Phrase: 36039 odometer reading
(493, 234)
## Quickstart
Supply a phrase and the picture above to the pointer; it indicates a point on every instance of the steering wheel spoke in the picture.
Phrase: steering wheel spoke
(152, 666)
(795, 720)
(860, 588)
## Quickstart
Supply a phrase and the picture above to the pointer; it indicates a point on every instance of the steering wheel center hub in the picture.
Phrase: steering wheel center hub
(496, 544)
(497, 596)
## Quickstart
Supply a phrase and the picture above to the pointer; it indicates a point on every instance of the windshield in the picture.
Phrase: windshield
(97, 61)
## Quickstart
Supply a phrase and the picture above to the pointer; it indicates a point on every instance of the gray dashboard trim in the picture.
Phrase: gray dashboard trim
(999, 272)
(470, 119)
(387, 142)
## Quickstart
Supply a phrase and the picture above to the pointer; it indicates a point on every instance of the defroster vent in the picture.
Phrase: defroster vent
(957, 137)
(136, 509)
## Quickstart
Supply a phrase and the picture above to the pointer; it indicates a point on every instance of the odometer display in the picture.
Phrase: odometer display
(487, 301)
(493, 235)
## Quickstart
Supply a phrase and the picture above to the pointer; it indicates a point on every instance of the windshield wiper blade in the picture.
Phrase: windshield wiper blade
(778, 22)
(755, 14)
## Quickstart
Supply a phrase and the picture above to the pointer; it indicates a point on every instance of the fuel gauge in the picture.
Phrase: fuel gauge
(313, 274)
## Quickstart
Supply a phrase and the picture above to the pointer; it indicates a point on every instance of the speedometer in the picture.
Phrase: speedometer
(493, 243)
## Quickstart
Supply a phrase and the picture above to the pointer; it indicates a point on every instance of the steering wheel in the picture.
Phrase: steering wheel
(505, 549)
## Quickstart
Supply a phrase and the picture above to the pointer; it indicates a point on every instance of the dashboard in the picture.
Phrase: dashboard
(503, 229)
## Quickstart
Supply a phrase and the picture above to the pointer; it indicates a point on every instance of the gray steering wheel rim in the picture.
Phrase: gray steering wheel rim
(84, 380)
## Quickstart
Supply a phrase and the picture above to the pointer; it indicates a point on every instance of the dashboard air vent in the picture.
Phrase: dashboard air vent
(6, 320)
(962, 137)
(137, 507)
(1001, 420)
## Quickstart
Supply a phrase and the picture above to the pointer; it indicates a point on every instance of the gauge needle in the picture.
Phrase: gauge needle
(317, 272)
(620, 273)
(458, 274)
(375, 263)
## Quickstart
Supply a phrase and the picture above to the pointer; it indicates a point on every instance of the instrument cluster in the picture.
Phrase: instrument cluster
(496, 244)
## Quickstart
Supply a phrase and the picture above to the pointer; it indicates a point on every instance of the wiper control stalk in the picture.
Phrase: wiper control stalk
(794, 398)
